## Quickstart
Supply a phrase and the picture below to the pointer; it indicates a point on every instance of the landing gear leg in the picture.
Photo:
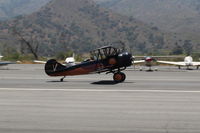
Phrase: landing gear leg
(119, 77)
(197, 67)
(61, 80)
(179, 67)
(150, 69)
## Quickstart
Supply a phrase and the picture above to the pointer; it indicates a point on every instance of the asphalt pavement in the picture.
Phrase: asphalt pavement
(164, 101)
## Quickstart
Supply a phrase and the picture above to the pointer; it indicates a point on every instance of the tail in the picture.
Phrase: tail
(52, 67)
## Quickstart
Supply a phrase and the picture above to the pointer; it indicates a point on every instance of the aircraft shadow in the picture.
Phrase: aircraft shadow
(55, 81)
(102, 82)
(105, 82)
(149, 71)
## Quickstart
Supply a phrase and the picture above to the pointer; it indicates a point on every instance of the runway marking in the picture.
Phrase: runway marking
(97, 90)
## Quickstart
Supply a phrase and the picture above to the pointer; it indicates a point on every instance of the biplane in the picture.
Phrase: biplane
(107, 59)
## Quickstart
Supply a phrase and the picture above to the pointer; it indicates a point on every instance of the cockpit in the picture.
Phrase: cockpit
(104, 52)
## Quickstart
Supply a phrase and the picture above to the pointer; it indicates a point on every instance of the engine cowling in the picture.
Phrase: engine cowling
(125, 59)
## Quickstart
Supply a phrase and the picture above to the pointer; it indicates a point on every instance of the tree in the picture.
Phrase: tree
(187, 46)
(29, 43)
(177, 50)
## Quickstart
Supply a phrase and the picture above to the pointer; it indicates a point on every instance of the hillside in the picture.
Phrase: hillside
(177, 16)
(81, 25)
(12, 8)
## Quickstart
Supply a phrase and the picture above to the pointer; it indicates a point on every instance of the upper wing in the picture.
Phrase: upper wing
(172, 63)
(139, 61)
(196, 63)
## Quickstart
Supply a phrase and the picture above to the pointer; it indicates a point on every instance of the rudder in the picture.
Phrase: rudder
(52, 66)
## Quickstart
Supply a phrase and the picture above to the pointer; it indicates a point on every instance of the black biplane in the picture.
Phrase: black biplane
(106, 59)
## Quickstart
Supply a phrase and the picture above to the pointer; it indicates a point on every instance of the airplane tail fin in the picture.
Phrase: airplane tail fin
(52, 67)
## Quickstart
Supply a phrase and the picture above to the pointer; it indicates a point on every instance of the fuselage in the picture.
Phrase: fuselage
(79, 69)
(149, 61)
(188, 61)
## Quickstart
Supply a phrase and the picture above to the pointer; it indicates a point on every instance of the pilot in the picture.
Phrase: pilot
(93, 58)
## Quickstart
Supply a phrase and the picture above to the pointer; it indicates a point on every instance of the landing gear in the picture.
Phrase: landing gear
(61, 80)
(150, 70)
(119, 77)
(197, 67)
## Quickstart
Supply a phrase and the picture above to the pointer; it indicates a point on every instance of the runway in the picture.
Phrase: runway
(167, 101)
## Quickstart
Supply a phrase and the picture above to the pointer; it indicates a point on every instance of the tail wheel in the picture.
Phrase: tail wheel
(119, 77)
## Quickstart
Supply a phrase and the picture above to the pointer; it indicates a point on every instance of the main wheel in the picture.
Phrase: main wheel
(119, 77)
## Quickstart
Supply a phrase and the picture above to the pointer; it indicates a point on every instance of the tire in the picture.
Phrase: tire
(119, 77)
(124, 77)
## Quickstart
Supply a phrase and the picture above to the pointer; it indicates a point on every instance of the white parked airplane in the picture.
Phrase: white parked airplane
(148, 62)
(4, 63)
(188, 61)
(69, 61)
